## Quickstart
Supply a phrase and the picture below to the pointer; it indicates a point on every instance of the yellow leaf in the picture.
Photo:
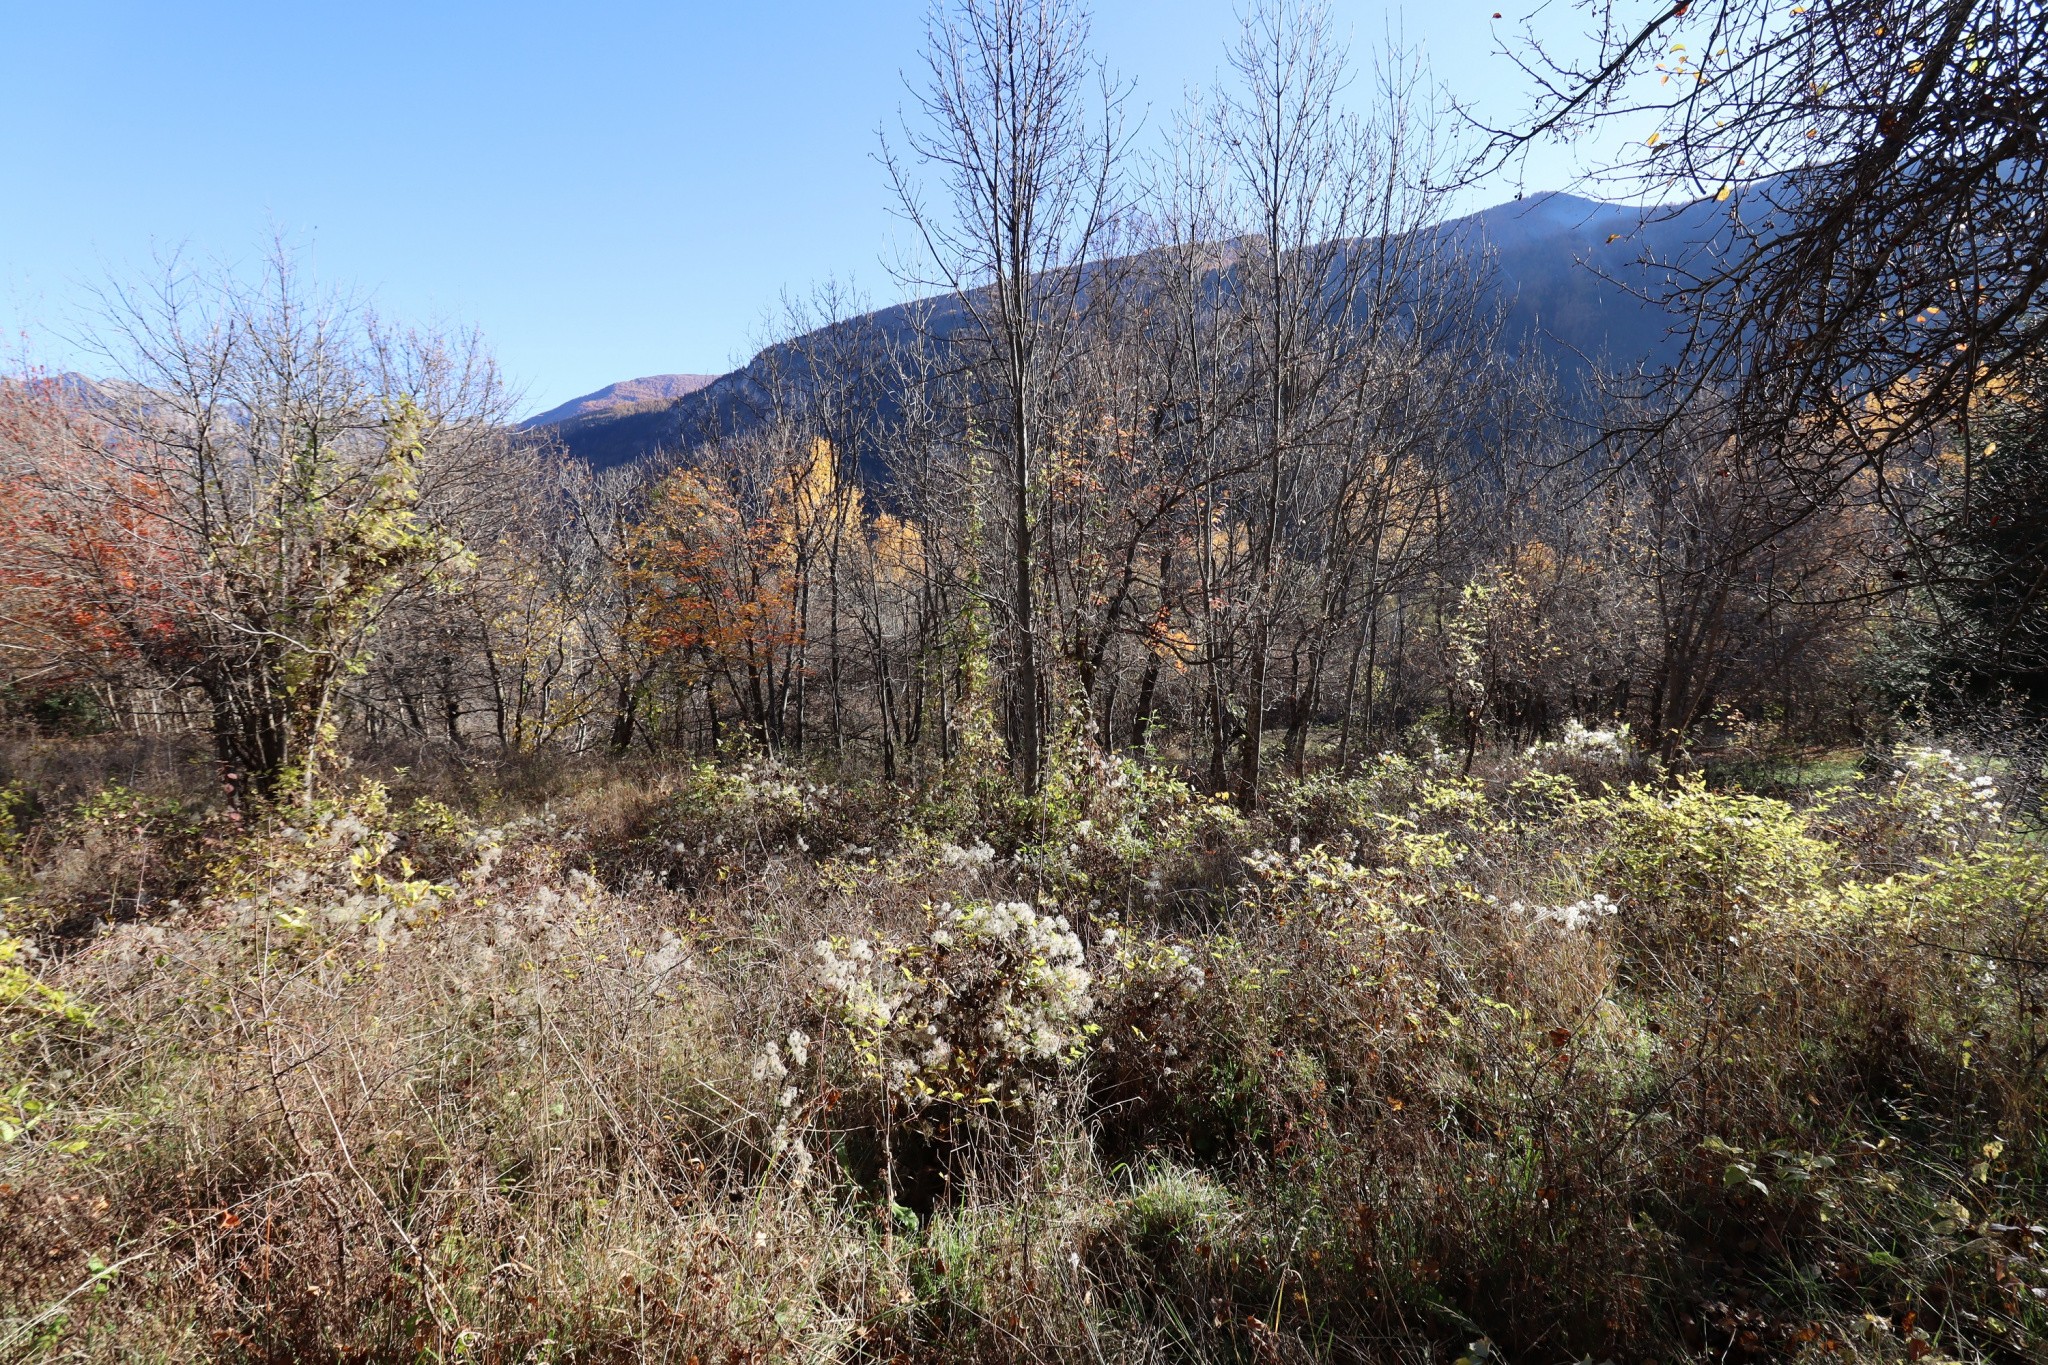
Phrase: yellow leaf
(1653, 139)
(1726, 190)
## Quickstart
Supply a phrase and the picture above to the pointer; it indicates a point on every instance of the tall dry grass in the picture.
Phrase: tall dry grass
(736, 1063)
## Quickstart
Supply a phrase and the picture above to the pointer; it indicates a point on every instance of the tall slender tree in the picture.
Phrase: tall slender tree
(1022, 134)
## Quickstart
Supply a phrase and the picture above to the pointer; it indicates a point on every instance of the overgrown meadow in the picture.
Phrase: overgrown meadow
(1563, 1058)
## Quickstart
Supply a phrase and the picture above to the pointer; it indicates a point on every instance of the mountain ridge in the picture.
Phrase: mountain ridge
(1575, 277)
(652, 388)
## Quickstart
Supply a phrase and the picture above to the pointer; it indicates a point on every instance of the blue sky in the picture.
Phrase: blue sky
(606, 189)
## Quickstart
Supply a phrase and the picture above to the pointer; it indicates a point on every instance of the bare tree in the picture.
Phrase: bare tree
(251, 503)
(1023, 138)
(1313, 308)
(1882, 257)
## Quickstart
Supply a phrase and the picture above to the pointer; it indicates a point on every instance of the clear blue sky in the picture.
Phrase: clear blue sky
(608, 189)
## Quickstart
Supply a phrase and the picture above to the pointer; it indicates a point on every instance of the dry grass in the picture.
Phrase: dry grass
(646, 1066)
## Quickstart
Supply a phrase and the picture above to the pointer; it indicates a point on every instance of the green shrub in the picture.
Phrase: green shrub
(1691, 866)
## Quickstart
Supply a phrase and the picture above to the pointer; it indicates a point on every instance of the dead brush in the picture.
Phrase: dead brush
(407, 1086)
(521, 1127)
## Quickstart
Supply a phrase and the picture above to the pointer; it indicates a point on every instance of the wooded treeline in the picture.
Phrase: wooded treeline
(1221, 453)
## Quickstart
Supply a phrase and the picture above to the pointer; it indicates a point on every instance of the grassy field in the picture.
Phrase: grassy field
(1563, 1059)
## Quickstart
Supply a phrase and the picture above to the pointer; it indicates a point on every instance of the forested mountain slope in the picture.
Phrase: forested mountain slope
(1576, 279)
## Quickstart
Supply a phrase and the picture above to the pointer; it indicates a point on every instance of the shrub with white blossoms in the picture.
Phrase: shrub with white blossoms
(714, 817)
(1583, 915)
(760, 789)
(1933, 804)
(993, 997)
(975, 855)
(339, 875)
(502, 922)
(774, 1069)
(1940, 789)
(1112, 831)
(1605, 746)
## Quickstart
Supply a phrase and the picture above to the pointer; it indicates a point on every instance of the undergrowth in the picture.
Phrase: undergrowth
(1555, 1060)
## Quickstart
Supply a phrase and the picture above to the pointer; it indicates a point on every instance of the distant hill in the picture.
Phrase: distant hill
(1577, 279)
(1580, 278)
(653, 388)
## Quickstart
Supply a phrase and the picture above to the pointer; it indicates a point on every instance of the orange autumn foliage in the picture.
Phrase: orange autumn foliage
(92, 577)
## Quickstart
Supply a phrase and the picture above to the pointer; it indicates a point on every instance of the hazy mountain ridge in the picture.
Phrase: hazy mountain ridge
(648, 389)
(1576, 278)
